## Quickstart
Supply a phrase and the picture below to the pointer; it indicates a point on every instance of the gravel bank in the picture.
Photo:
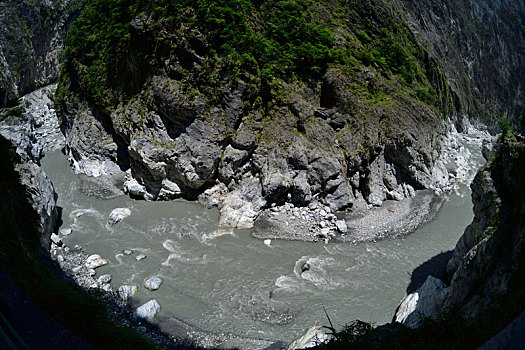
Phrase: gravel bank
(392, 219)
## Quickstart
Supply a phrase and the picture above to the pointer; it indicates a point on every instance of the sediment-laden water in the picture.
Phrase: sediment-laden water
(235, 283)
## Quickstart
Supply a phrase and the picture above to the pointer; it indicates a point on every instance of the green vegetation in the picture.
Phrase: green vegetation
(12, 112)
(21, 254)
(391, 56)
(285, 40)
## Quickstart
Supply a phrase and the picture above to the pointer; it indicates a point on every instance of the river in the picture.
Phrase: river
(235, 283)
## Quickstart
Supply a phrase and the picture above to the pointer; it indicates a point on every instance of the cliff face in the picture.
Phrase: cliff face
(486, 269)
(481, 47)
(488, 257)
(231, 105)
(225, 104)
(32, 128)
(31, 41)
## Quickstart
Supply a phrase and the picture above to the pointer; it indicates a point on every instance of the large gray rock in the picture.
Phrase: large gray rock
(117, 215)
(94, 261)
(127, 291)
(56, 239)
(241, 207)
(341, 226)
(153, 283)
(104, 279)
(427, 301)
(147, 310)
(314, 336)
(134, 189)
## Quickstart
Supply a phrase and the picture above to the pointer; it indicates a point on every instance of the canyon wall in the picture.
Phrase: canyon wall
(32, 38)
(480, 46)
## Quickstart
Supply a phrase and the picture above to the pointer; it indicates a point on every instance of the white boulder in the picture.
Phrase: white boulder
(118, 215)
(127, 291)
(147, 310)
(425, 302)
(94, 261)
(153, 283)
(56, 239)
(314, 336)
(104, 279)
(341, 226)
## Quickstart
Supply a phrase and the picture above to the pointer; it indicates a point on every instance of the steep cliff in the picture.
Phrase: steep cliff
(31, 41)
(481, 48)
(32, 128)
(481, 299)
(488, 258)
(485, 275)
(250, 104)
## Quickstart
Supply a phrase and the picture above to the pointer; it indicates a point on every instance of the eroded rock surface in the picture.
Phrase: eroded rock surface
(33, 129)
(243, 146)
(485, 263)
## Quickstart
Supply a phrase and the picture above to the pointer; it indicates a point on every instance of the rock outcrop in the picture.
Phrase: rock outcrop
(487, 261)
(32, 127)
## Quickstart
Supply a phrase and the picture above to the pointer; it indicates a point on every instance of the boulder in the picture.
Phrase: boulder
(104, 279)
(341, 226)
(66, 231)
(94, 261)
(147, 310)
(425, 302)
(305, 267)
(153, 283)
(126, 291)
(56, 239)
(314, 336)
(169, 190)
(242, 206)
(134, 189)
(118, 215)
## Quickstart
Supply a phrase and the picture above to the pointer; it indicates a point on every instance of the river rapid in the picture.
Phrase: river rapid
(237, 284)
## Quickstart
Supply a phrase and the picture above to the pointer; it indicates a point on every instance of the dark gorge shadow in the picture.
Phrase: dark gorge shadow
(436, 267)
